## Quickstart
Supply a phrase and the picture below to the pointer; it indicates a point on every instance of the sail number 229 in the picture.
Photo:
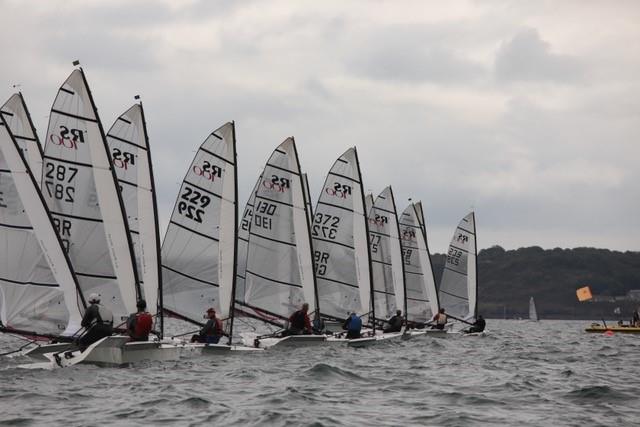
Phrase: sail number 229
(192, 204)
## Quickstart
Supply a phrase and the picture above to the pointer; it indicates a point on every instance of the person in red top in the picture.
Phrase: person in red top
(139, 324)
(211, 331)
(299, 322)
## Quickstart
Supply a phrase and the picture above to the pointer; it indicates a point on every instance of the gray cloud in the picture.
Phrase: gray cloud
(529, 58)
(434, 109)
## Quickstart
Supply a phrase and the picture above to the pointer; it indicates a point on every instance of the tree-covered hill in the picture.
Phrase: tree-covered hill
(508, 278)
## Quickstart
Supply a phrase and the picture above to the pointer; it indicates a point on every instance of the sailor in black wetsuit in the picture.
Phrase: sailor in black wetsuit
(395, 323)
(478, 325)
(98, 320)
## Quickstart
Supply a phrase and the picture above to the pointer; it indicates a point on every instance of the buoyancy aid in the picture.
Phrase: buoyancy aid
(143, 325)
(355, 324)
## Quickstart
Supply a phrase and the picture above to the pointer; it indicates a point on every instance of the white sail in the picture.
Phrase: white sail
(131, 159)
(422, 298)
(38, 289)
(386, 256)
(199, 248)
(420, 213)
(533, 314)
(279, 273)
(340, 241)
(458, 286)
(24, 132)
(368, 203)
(243, 242)
(81, 191)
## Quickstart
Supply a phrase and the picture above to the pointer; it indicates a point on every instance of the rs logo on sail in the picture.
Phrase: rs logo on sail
(208, 171)
(339, 190)
(379, 220)
(277, 184)
(122, 159)
(68, 138)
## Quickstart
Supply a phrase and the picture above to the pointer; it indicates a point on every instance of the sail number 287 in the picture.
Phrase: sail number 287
(57, 179)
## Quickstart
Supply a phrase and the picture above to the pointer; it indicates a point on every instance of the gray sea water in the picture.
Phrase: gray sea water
(549, 373)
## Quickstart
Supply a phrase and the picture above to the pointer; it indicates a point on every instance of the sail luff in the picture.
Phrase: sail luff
(533, 314)
(243, 242)
(365, 278)
(432, 291)
(35, 157)
(153, 256)
(232, 296)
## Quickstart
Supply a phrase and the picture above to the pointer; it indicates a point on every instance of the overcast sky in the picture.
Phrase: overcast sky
(529, 112)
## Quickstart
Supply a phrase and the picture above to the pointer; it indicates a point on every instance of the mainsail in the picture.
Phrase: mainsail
(131, 159)
(38, 289)
(279, 272)
(386, 256)
(340, 241)
(458, 286)
(422, 298)
(80, 188)
(533, 314)
(243, 242)
(199, 248)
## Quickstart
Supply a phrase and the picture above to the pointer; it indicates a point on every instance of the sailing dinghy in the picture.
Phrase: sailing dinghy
(341, 249)
(199, 247)
(387, 265)
(422, 296)
(533, 314)
(279, 275)
(81, 189)
(458, 292)
(39, 294)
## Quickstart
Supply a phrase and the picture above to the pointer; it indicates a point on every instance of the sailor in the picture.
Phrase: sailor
(636, 318)
(211, 331)
(440, 320)
(353, 326)
(299, 322)
(140, 323)
(478, 325)
(98, 320)
(395, 323)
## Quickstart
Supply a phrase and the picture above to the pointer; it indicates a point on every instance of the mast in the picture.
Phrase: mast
(423, 229)
(366, 226)
(475, 247)
(37, 140)
(159, 302)
(235, 236)
(115, 180)
(404, 282)
(307, 206)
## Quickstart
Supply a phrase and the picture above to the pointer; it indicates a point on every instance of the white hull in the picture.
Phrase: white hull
(39, 352)
(436, 333)
(190, 349)
(251, 340)
(116, 351)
